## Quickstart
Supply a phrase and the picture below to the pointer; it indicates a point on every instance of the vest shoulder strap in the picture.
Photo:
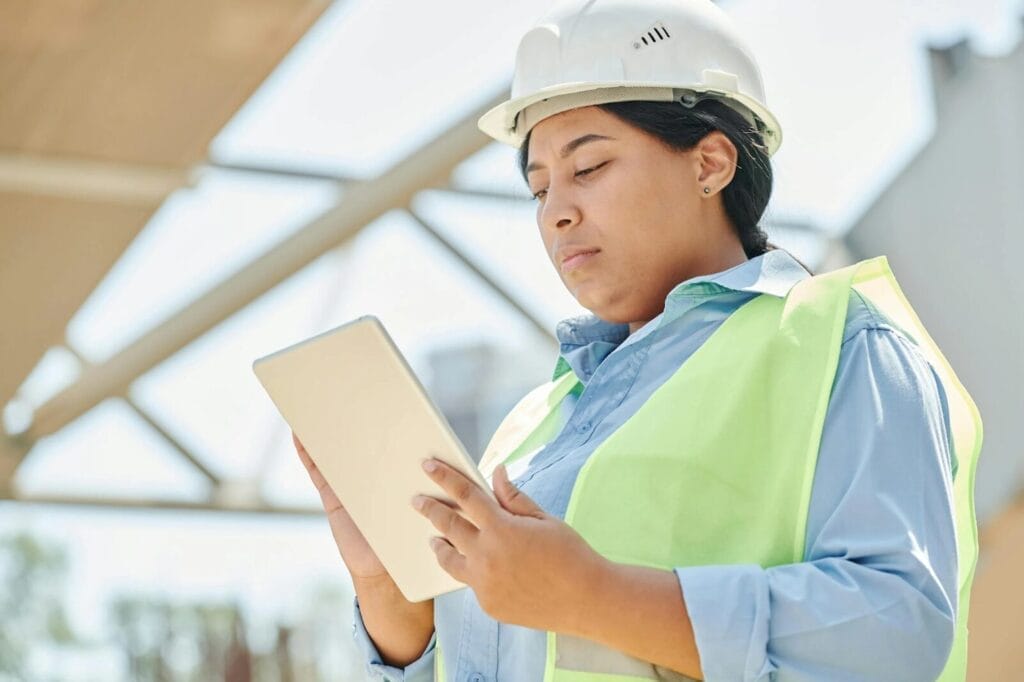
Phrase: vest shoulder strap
(520, 426)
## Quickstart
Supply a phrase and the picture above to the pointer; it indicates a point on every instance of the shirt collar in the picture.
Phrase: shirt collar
(585, 340)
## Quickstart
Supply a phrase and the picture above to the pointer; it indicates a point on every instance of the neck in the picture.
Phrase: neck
(722, 259)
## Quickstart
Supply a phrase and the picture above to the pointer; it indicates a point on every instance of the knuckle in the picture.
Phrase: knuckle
(462, 491)
(436, 516)
(449, 522)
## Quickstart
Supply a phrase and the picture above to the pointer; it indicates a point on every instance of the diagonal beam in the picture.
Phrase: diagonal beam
(429, 166)
(92, 180)
(488, 194)
(175, 444)
(279, 172)
(120, 504)
(491, 283)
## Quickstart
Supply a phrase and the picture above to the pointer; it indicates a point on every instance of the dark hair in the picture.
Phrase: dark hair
(680, 128)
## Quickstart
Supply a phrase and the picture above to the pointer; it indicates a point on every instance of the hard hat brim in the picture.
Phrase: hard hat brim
(500, 122)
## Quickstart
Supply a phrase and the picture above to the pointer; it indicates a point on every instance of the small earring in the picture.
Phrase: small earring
(707, 191)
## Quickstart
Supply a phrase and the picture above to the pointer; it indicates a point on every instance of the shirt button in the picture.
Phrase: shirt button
(476, 677)
(583, 428)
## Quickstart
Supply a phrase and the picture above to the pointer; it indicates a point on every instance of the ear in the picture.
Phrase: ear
(717, 157)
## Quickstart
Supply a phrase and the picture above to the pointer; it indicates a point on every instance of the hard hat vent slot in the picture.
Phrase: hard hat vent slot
(655, 34)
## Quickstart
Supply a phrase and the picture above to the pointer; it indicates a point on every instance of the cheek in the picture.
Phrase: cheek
(626, 205)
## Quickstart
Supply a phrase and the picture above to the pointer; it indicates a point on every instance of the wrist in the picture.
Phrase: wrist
(380, 584)
(595, 583)
(398, 628)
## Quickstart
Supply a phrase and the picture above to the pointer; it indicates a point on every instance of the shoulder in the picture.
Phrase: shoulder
(862, 315)
(876, 350)
(882, 371)
(870, 328)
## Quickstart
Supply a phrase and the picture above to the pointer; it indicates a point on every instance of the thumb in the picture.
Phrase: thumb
(511, 498)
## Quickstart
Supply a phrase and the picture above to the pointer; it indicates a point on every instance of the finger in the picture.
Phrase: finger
(307, 461)
(312, 469)
(328, 498)
(512, 498)
(449, 559)
(304, 457)
(460, 532)
(471, 498)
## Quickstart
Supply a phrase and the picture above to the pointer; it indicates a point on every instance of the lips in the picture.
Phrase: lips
(566, 253)
(577, 257)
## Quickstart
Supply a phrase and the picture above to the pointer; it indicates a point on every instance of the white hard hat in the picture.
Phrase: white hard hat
(586, 52)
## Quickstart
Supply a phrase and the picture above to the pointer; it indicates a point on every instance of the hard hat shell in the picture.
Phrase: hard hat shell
(585, 52)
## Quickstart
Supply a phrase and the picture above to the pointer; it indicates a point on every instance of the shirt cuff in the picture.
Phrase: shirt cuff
(420, 670)
(728, 609)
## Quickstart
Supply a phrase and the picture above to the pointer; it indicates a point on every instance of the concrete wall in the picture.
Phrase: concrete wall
(952, 227)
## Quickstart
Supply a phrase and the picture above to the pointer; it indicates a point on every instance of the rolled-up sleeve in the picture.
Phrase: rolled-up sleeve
(420, 670)
(875, 597)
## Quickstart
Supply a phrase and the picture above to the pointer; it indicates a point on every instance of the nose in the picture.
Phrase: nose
(559, 210)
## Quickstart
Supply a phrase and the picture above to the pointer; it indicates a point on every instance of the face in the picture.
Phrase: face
(633, 205)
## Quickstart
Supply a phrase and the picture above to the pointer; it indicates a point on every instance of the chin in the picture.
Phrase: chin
(610, 314)
(603, 313)
(598, 303)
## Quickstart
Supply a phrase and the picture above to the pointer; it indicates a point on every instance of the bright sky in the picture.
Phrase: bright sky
(372, 81)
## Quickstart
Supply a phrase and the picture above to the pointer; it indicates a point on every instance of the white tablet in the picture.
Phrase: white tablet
(368, 423)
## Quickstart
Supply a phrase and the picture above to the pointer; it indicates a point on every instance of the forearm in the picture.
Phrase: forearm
(816, 620)
(639, 611)
(400, 629)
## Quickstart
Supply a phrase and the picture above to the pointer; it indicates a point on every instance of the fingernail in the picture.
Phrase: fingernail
(417, 502)
(429, 466)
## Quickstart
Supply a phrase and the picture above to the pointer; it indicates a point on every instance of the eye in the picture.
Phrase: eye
(585, 171)
(590, 170)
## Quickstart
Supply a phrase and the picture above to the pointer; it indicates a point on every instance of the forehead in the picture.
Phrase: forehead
(551, 133)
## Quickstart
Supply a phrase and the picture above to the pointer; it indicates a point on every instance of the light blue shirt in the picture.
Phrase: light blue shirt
(875, 597)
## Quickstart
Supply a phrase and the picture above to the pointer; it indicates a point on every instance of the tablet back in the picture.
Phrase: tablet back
(367, 423)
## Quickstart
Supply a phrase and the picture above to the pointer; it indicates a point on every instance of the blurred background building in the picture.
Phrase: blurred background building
(186, 186)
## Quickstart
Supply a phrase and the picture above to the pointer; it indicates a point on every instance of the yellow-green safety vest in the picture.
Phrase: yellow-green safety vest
(732, 433)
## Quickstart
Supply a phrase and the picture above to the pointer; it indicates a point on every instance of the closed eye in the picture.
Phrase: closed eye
(585, 171)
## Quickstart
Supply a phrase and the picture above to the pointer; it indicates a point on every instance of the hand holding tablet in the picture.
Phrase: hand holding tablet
(359, 557)
(367, 424)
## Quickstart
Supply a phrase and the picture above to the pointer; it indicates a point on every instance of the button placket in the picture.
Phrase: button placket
(578, 433)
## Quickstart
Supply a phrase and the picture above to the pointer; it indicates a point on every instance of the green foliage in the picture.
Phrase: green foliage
(175, 641)
(33, 574)
(166, 639)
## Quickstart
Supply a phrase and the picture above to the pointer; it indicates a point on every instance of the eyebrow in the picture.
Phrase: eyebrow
(570, 147)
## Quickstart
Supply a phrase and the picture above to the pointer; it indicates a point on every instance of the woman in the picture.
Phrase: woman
(739, 471)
